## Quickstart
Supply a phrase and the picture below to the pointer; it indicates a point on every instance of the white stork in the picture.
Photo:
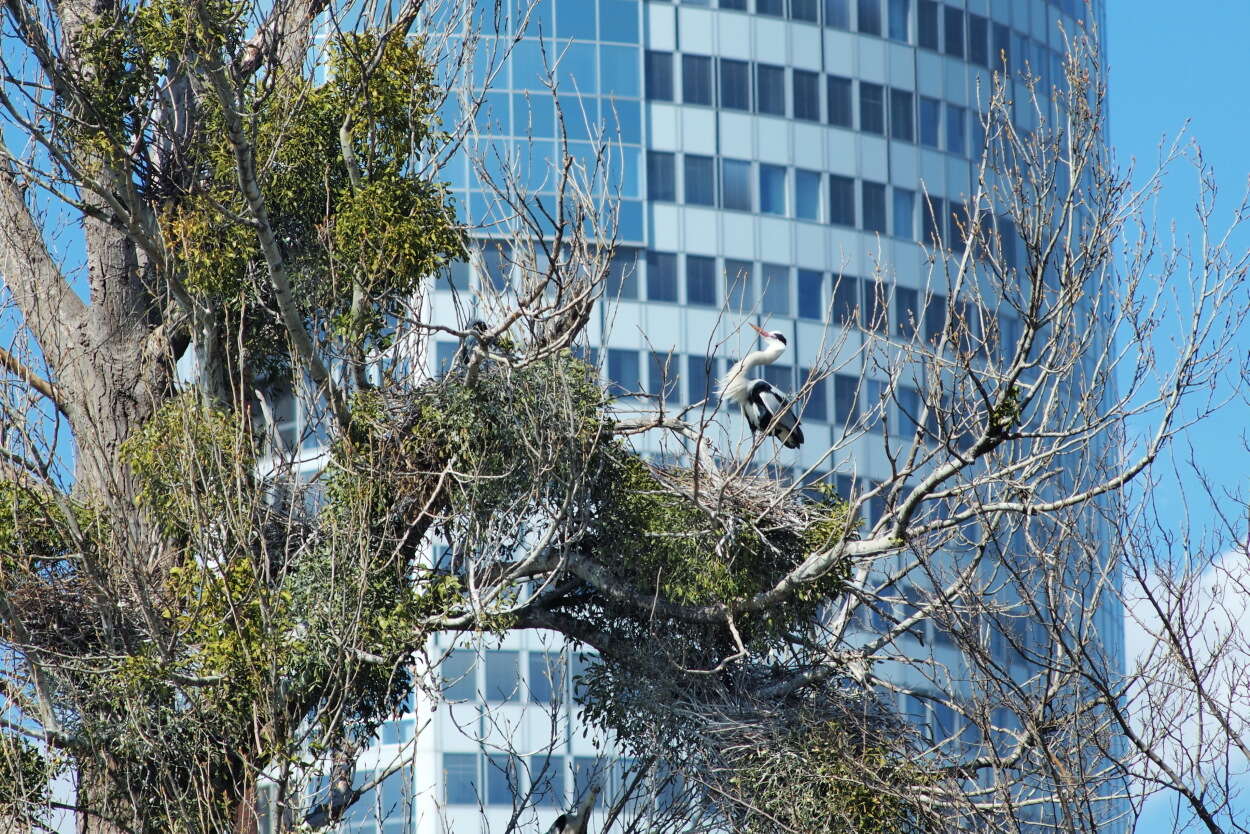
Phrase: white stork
(766, 408)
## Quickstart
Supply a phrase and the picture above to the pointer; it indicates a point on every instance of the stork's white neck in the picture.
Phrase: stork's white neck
(733, 385)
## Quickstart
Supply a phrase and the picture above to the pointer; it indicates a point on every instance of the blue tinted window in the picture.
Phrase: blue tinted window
(930, 121)
(841, 200)
(529, 67)
(460, 778)
(702, 379)
(869, 16)
(659, 76)
(458, 274)
(535, 115)
(770, 87)
(838, 13)
(807, 194)
(575, 19)
(492, 116)
(623, 372)
(619, 66)
(503, 675)
(739, 290)
(497, 264)
(771, 7)
(618, 20)
(547, 780)
(906, 311)
(899, 10)
(622, 118)
(902, 118)
(575, 66)
(444, 353)
(839, 101)
(845, 402)
(661, 176)
(772, 189)
(871, 108)
(535, 16)
(954, 32)
(781, 376)
(629, 220)
(700, 180)
(581, 114)
(978, 40)
(663, 376)
(811, 294)
(546, 677)
(735, 84)
(622, 278)
(696, 79)
(806, 95)
(397, 731)
(817, 407)
(845, 299)
(701, 280)
(808, 10)
(874, 207)
(775, 279)
(502, 784)
(955, 139)
(927, 24)
(661, 276)
(736, 184)
(904, 213)
(623, 164)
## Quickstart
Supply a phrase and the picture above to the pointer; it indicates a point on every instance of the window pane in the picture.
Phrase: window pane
(659, 74)
(907, 311)
(661, 176)
(807, 194)
(934, 318)
(811, 294)
(772, 189)
(782, 376)
(930, 121)
(700, 180)
(839, 101)
(954, 32)
(622, 277)
(501, 779)
(838, 13)
(661, 276)
(546, 676)
(805, 10)
(776, 289)
(817, 407)
(955, 139)
(845, 400)
(874, 207)
(547, 780)
(663, 377)
(623, 372)
(736, 184)
(739, 296)
(871, 108)
(771, 7)
(444, 354)
(696, 79)
(978, 40)
(459, 676)
(927, 24)
(503, 675)
(460, 778)
(904, 213)
(588, 771)
(1001, 56)
(902, 120)
(934, 228)
(841, 200)
(771, 88)
(701, 280)
(702, 374)
(876, 306)
(618, 20)
(806, 95)
(497, 264)
(845, 299)
(869, 17)
(576, 20)
(899, 12)
(735, 84)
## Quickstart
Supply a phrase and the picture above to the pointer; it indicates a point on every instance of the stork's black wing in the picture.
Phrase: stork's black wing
(768, 409)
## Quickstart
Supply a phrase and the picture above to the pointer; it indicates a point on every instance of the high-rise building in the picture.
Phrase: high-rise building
(778, 161)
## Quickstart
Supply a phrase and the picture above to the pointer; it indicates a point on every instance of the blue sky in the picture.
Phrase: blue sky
(1173, 64)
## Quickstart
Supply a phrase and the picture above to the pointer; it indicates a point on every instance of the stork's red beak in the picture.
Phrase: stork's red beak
(759, 330)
